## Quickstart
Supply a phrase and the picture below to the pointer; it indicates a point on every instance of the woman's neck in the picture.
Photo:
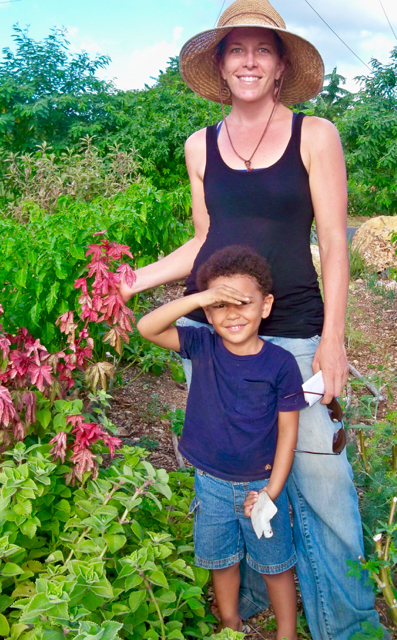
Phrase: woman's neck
(250, 114)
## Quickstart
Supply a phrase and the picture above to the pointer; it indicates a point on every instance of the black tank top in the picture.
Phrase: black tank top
(271, 211)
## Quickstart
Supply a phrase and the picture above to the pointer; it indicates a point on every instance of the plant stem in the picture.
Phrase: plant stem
(363, 453)
(156, 604)
(390, 522)
(394, 457)
(385, 578)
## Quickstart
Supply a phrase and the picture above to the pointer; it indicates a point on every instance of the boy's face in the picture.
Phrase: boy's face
(238, 324)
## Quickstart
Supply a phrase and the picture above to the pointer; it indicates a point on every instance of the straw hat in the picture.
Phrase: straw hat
(303, 77)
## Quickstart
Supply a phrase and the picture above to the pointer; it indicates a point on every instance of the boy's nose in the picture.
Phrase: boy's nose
(233, 311)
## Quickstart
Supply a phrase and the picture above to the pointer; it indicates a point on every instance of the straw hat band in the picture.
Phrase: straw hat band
(265, 18)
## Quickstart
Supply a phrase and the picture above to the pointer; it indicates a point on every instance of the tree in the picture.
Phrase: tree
(368, 130)
(333, 99)
(49, 95)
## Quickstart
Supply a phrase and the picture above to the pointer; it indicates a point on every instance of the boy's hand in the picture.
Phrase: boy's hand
(221, 294)
(249, 502)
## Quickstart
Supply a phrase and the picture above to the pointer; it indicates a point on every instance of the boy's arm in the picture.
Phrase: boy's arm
(157, 326)
(288, 422)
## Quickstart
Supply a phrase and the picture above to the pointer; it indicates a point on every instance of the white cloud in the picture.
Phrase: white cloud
(144, 64)
(80, 42)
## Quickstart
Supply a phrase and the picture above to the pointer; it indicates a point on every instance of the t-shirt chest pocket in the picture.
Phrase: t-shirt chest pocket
(254, 398)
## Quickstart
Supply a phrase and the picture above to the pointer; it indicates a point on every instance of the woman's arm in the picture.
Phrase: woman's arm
(323, 157)
(179, 263)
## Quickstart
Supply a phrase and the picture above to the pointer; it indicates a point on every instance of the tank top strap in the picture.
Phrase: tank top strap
(212, 152)
(297, 131)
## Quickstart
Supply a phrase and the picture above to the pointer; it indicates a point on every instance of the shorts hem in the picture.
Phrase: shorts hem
(219, 564)
(272, 569)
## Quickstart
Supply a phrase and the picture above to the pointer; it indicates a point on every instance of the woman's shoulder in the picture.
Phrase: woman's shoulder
(195, 153)
(196, 141)
(320, 137)
(318, 129)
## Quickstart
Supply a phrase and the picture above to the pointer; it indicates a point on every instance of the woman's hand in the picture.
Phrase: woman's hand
(331, 359)
(125, 291)
(221, 295)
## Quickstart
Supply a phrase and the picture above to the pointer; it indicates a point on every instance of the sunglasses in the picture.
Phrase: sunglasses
(336, 414)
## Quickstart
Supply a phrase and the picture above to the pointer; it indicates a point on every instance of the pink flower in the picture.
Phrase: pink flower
(7, 410)
(111, 442)
(84, 461)
(59, 448)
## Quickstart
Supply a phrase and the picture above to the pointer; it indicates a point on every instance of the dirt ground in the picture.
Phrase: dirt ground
(371, 341)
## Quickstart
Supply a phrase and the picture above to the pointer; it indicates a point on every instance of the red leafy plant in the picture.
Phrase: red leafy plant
(26, 367)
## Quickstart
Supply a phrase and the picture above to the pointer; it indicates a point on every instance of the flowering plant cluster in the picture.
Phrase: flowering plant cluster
(28, 372)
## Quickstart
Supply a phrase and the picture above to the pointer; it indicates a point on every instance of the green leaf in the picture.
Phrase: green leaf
(11, 569)
(201, 576)
(35, 313)
(136, 598)
(115, 542)
(158, 577)
(29, 528)
(4, 626)
(52, 296)
(166, 596)
(43, 417)
(131, 582)
(21, 276)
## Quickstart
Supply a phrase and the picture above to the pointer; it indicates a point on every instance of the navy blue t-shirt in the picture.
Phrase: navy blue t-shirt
(230, 428)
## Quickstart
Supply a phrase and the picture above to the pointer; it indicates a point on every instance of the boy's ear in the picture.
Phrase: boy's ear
(208, 314)
(267, 305)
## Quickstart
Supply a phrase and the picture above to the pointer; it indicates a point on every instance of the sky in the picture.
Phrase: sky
(141, 35)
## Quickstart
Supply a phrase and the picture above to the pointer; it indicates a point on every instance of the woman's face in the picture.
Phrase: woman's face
(251, 63)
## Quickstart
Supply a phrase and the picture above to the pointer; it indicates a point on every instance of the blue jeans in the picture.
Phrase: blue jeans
(223, 535)
(327, 525)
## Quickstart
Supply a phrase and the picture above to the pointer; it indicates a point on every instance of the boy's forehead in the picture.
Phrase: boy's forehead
(243, 283)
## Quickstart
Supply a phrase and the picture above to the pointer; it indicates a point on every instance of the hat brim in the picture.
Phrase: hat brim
(303, 77)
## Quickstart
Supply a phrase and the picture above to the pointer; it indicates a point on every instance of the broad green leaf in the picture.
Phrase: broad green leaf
(43, 417)
(136, 598)
(133, 581)
(166, 596)
(35, 313)
(4, 626)
(20, 277)
(11, 569)
(115, 542)
(158, 577)
(52, 296)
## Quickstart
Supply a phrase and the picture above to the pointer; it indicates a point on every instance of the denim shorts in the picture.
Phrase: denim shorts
(223, 535)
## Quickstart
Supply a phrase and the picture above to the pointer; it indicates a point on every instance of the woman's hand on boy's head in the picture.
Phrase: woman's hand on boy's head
(221, 294)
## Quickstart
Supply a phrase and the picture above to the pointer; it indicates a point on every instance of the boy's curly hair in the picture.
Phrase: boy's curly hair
(235, 260)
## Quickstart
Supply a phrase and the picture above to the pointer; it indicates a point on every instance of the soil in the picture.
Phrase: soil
(371, 342)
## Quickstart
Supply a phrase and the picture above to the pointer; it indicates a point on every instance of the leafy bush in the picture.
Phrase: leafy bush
(39, 179)
(39, 262)
(112, 556)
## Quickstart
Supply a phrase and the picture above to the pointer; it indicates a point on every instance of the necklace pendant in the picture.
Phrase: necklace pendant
(248, 164)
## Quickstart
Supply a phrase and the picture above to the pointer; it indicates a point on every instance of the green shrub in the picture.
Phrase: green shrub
(40, 261)
(113, 555)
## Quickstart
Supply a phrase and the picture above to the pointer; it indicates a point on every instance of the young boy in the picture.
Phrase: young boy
(240, 429)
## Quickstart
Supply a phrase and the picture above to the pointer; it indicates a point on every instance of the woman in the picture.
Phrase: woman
(257, 179)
